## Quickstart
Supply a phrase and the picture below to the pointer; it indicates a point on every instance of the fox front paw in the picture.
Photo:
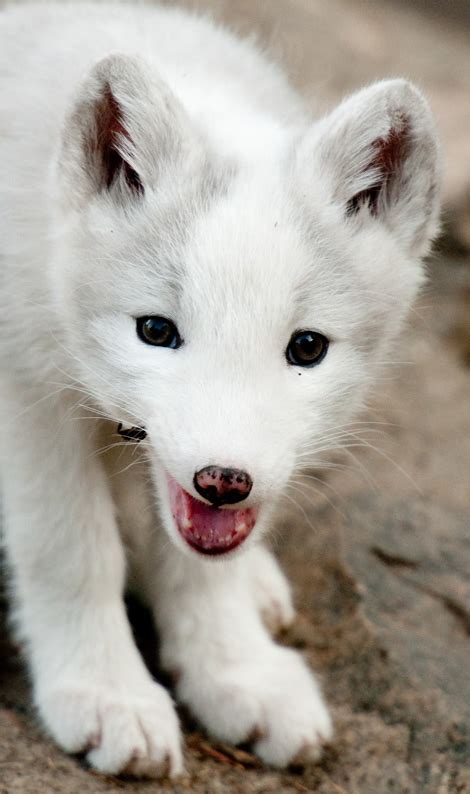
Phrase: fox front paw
(271, 700)
(271, 590)
(120, 732)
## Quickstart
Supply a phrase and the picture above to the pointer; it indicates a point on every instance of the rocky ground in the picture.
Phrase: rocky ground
(381, 562)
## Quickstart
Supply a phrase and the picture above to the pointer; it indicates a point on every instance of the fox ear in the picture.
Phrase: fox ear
(377, 155)
(123, 127)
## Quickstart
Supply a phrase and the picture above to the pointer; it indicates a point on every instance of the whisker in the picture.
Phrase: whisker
(295, 485)
(299, 507)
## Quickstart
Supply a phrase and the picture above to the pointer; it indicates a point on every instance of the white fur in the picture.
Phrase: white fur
(242, 237)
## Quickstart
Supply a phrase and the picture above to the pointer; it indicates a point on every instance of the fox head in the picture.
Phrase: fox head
(236, 307)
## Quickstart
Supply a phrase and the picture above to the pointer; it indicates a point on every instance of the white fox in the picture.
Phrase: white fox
(185, 251)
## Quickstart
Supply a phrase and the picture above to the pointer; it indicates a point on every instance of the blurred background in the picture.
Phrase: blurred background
(380, 563)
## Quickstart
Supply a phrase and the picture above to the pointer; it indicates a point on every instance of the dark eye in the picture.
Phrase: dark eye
(306, 348)
(158, 331)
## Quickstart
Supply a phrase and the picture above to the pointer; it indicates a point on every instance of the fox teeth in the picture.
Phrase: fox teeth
(240, 528)
(187, 523)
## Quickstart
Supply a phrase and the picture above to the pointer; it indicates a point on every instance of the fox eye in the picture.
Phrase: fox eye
(306, 348)
(158, 331)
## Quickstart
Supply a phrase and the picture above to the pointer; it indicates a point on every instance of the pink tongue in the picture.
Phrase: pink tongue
(210, 530)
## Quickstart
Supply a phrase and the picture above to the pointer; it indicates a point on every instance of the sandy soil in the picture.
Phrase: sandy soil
(381, 565)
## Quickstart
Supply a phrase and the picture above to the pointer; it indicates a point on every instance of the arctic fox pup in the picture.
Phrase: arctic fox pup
(183, 251)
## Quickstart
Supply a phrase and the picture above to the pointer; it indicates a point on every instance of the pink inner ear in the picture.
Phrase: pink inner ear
(109, 128)
(389, 154)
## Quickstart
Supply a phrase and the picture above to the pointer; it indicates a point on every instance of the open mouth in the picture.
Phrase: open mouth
(208, 530)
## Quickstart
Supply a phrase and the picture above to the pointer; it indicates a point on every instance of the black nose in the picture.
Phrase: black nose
(222, 486)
